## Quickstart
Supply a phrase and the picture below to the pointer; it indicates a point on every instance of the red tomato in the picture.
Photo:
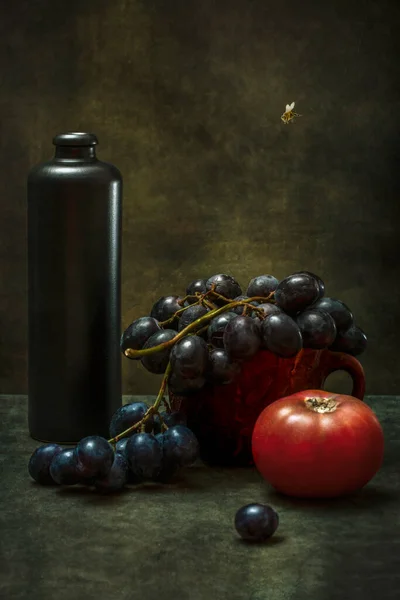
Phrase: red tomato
(318, 445)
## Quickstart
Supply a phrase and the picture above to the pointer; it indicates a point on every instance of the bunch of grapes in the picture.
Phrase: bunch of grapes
(206, 335)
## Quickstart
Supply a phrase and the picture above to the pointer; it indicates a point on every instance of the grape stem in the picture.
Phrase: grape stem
(151, 410)
(201, 322)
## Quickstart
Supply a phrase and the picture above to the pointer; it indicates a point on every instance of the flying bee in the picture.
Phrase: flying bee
(289, 113)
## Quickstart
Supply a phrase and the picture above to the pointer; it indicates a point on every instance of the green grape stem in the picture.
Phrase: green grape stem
(151, 410)
(198, 323)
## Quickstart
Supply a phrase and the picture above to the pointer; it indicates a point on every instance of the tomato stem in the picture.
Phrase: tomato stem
(321, 405)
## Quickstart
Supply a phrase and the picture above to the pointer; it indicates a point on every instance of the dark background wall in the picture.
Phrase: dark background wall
(186, 99)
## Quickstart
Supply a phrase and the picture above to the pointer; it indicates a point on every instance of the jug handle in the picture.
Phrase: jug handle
(340, 361)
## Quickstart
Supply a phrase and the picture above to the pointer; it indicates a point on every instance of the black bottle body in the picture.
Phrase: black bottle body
(74, 283)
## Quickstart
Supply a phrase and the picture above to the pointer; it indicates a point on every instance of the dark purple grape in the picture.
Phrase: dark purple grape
(173, 418)
(165, 308)
(256, 522)
(63, 467)
(270, 309)
(191, 314)
(263, 285)
(339, 312)
(184, 386)
(169, 468)
(353, 341)
(189, 357)
(138, 332)
(239, 310)
(197, 286)
(95, 456)
(180, 446)
(144, 455)
(321, 284)
(39, 463)
(296, 292)
(223, 370)
(225, 285)
(126, 416)
(116, 478)
(217, 326)
(158, 362)
(242, 338)
(281, 335)
(120, 446)
(317, 327)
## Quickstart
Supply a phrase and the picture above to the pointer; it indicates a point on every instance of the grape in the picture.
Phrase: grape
(158, 362)
(189, 357)
(297, 292)
(180, 446)
(95, 456)
(126, 416)
(222, 369)
(238, 310)
(191, 314)
(182, 386)
(199, 286)
(63, 467)
(144, 455)
(169, 466)
(173, 418)
(165, 307)
(120, 446)
(39, 463)
(339, 312)
(281, 335)
(117, 476)
(317, 327)
(256, 522)
(216, 328)
(242, 338)
(263, 285)
(138, 332)
(353, 341)
(225, 285)
(321, 284)
(270, 309)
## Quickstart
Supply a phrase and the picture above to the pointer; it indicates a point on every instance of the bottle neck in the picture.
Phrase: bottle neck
(81, 153)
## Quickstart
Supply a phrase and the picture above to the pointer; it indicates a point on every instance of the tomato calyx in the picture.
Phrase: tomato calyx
(321, 405)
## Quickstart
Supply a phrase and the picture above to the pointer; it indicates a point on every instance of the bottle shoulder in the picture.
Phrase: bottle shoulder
(74, 171)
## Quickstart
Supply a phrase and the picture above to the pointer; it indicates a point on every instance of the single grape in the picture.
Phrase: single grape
(120, 446)
(296, 292)
(189, 357)
(128, 415)
(197, 286)
(63, 467)
(216, 328)
(321, 284)
(136, 335)
(317, 327)
(39, 463)
(184, 386)
(242, 338)
(339, 312)
(144, 455)
(223, 370)
(256, 522)
(270, 309)
(158, 362)
(239, 310)
(165, 308)
(263, 285)
(225, 285)
(281, 335)
(191, 314)
(353, 341)
(117, 476)
(180, 446)
(95, 456)
(169, 467)
(173, 418)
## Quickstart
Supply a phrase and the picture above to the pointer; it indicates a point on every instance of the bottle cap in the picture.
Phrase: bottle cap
(75, 139)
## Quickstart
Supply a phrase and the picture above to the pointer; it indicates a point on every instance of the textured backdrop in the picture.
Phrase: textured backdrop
(185, 98)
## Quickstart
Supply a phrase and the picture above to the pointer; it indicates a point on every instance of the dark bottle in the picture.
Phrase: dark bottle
(74, 264)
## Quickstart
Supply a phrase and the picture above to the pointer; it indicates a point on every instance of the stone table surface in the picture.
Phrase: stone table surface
(178, 541)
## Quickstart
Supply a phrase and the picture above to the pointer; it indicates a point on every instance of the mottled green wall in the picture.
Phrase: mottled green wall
(185, 98)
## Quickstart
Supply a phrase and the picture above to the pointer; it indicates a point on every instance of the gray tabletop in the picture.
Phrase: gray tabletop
(178, 542)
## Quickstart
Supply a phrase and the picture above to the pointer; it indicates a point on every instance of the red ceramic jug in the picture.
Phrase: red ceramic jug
(223, 416)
